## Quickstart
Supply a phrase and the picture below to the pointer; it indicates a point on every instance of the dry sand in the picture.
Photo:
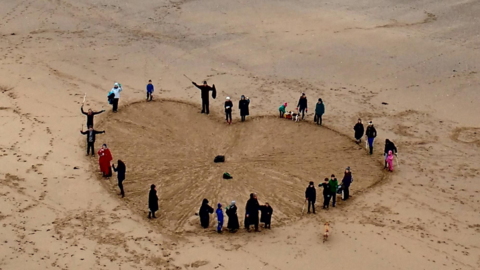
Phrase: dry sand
(420, 57)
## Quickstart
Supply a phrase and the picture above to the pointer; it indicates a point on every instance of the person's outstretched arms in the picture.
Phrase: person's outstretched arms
(95, 113)
(81, 109)
(83, 132)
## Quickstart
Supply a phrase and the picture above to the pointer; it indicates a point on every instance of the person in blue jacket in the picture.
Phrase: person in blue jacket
(219, 218)
(150, 90)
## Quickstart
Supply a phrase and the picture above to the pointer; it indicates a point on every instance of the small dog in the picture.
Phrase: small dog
(326, 233)
(295, 117)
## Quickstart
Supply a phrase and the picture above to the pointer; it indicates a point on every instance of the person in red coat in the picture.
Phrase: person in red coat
(105, 158)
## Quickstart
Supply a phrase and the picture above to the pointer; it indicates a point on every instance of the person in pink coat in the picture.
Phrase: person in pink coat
(390, 160)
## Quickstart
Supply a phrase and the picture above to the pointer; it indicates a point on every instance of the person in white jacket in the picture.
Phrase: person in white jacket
(117, 88)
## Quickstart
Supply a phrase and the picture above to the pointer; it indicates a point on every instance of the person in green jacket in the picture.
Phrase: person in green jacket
(319, 111)
(282, 109)
(333, 183)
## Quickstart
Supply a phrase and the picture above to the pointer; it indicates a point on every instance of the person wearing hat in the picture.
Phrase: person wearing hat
(319, 111)
(231, 212)
(243, 107)
(152, 202)
(282, 109)
(371, 133)
(219, 218)
(205, 90)
(117, 88)
(228, 110)
(359, 131)
(150, 90)
(104, 160)
(302, 106)
(346, 182)
(204, 213)
(311, 196)
(389, 146)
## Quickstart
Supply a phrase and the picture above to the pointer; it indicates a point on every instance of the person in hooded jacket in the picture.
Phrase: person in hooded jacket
(333, 189)
(267, 212)
(346, 182)
(302, 106)
(231, 212)
(243, 107)
(120, 170)
(152, 201)
(389, 146)
(311, 196)
(117, 88)
(326, 193)
(228, 110)
(282, 109)
(371, 133)
(219, 218)
(105, 159)
(204, 213)
(251, 212)
(359, 131)
(90, 114)
(319, 111)
(390, 160)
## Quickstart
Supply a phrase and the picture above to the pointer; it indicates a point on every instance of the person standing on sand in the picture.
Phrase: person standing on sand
(152, 202)
(117, 88)
(371, 133)
(266, 217)
(204, 213)
(231, 212)
(389, 146)
(243, 107)
(346, 182)
(219, 218)
(319, 111)
(311, 196)
(390, 161)
(120, 170)
(91, 139)
(104, 159)
(150, 90)
(302, 106)
(205, 90)
(359, 131)
(282, 109)
(228, 110)
(90, 114)
(333, 189)
(326, 193)
(251, 212)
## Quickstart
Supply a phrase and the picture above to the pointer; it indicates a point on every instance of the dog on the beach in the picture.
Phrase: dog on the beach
(327, 232)
(295, 117)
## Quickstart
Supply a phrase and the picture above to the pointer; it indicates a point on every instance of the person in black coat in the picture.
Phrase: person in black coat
(91, 139)
(152, 201)
(204, 213)
(243, 107)
(389, 146)
(359, 131)
(251, 212)
(326, 193)
(311, 196)
(233, 224)
(228, 110)
(346, 182)
(90, 114)
(302, 105)
(120, 170)
(205, 90)
(266, 218)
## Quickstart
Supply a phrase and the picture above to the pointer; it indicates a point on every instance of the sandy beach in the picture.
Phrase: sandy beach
(411, 67)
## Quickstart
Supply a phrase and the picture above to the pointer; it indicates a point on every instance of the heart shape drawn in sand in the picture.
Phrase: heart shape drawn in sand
(170, 144)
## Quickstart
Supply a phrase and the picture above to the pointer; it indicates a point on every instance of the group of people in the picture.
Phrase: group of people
(302, 109)
(252, 210)
(243, 105)
(331, 188)
(104, 155)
